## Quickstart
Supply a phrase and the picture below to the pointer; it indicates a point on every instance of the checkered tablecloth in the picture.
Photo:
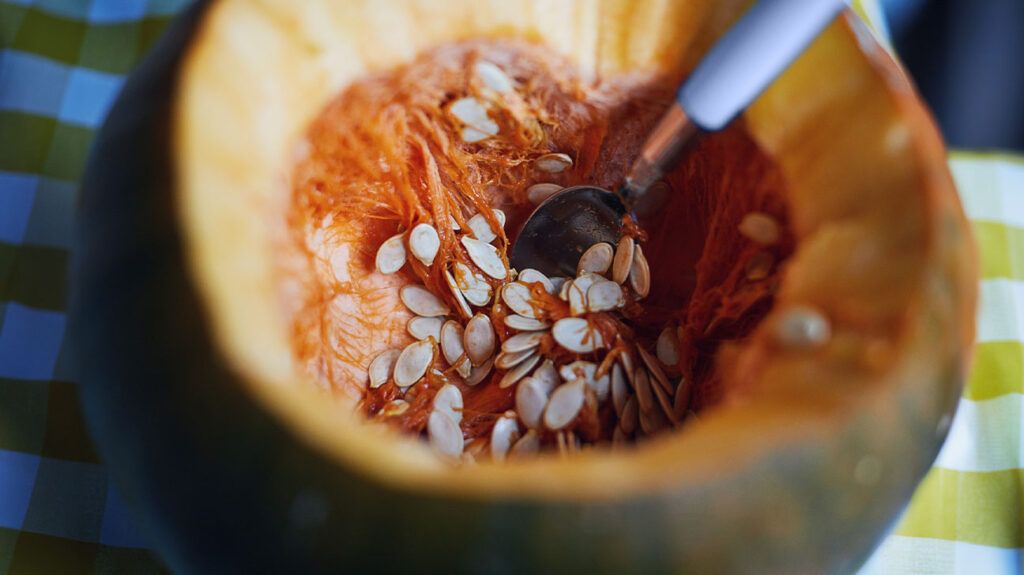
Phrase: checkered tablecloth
(61, 64)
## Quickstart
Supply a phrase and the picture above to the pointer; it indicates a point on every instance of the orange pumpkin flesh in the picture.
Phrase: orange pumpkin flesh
(385, 156)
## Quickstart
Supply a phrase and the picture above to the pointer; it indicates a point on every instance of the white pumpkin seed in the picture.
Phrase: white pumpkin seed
(666, 404)
(652, 422)
(511, 359)
(473, 114)
(448, 401)
(519, 299)
(547, 375)
(521, 323)
(519, 371)
(563, 291)
(644, 394)
(454, 223)
(473, 285)
(391, 255)
(620, 390)
(527, 445)
(478, 373)
(668, 347)
(577, 299)
(580, 369)
(424, 243)
(564, 405)
(802, 327)
(760, 227)
(394, 408)
(504, 434)
(460, 300)
(630, 413)
(623, 259)
(451, 346)
(681, 403)
(493, 77)
(529, 276)
(445, 436)
(522, 342)
(553, 163)
(413, 362)
(576, 335)
(597, 259)
(479, 339)
(480, 228)
(381, 367)
(655, 371)
(424, 327)
(640, 273)
(422, 302)
(539, 193)
(486, 257)
(531, 399)
(605, 296)
(626, 359)
(557, 283)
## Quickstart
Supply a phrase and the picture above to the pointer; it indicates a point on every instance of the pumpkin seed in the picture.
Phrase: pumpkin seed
(576, 335)
(481, 228)
(538, 193)
(605, 296)
(564, 405)
(553, 163)
(597, 259)
(394, 408)
(668, 347)
(424, 243)
(547, 375)
(681, 404)
(478, 373)
(623, 259)
(577, 299)
(381, 367)
(760, 227)
(655, 371)
(666, 404)
(630, 414)
(578, 370)
(493, 77)
(472, 113)
(531, 399)
(451, 346)
(619, 438)
(449, 402)
(529, 276)
(460, 300)
(504, 434)
(627, 366)
(424, 327)
(391, 255)
(620, 390)
(644, 394)
(519, 371)
(640, 273)
(445, 436)
(508, 360)
(422, 302)
(759, 266)
(473, 285)
(413, 362)
(522, 342)
(521, 323)
(479, 339)
(652, 422)
(802, 327)
(519, 299)
(486, 257)
(527, 445)
(563, 291)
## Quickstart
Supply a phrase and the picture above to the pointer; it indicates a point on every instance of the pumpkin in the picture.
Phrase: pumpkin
(237, 463)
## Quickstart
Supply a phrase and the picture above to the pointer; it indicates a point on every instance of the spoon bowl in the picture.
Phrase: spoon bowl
(562, 227)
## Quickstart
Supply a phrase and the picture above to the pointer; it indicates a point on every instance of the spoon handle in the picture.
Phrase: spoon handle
(766, 40)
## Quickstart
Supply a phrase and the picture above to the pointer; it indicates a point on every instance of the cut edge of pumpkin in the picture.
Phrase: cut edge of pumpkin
(220, 227)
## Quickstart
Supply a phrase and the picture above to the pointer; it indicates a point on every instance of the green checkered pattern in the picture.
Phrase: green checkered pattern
(61, 64)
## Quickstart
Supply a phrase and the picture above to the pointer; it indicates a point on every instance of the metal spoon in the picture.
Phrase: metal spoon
(769, 37)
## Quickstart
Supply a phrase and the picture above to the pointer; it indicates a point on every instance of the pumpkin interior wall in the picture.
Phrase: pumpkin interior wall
(385, 155)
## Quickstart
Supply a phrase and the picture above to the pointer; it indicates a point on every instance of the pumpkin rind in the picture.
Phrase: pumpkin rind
(235, 470)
